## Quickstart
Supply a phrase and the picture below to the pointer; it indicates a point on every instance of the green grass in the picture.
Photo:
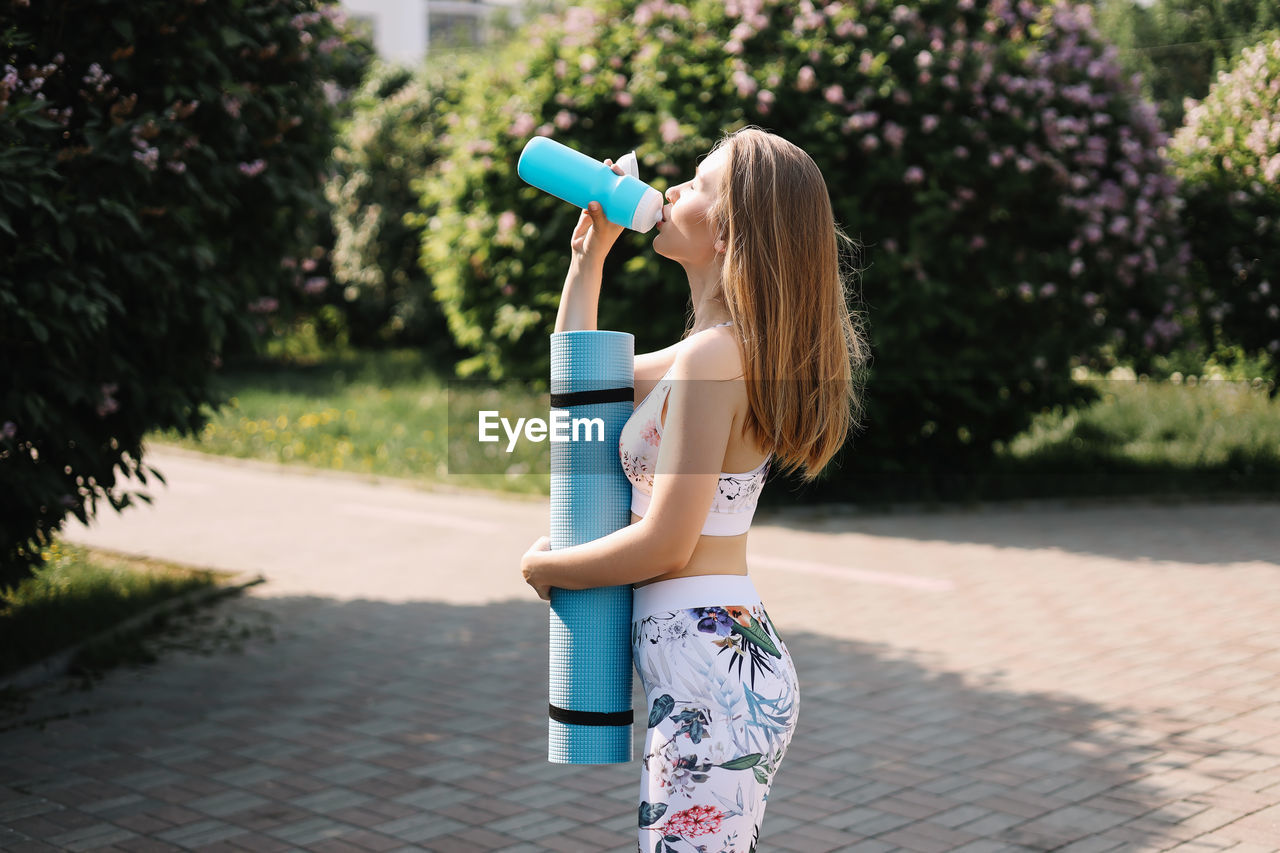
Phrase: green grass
(389, 413)
(79, 593)
(1163, 423)
(1144, 436)
(381, 413)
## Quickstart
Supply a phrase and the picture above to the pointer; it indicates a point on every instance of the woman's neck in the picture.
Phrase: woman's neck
(708, 308)
(708, 314)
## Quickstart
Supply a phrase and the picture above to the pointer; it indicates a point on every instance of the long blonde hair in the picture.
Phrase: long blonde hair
(786, 289)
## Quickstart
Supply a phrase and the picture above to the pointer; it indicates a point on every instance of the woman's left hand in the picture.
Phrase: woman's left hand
(529, 567)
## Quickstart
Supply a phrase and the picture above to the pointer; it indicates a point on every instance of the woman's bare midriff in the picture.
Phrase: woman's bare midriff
(713, 555)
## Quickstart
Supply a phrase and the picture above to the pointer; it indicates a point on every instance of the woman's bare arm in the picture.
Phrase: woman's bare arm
(580, 298)
(592, 239)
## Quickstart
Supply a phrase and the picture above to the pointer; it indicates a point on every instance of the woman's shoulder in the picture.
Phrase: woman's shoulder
(709, 354)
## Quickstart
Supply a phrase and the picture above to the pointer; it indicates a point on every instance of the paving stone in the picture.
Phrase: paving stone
(91, 837)
(226, 803)
(200, 833)
(419, 828)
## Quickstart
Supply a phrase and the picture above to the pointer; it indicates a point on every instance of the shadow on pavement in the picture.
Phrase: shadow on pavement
(287, 723)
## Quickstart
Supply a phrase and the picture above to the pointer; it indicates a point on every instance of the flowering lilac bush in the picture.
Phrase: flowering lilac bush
(157, 161)
(1228, 157)
(1004, 178)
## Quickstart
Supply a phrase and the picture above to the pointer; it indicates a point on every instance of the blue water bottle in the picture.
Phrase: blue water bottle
(578, 179)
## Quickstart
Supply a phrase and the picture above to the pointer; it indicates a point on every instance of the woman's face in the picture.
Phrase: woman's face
(686, 234)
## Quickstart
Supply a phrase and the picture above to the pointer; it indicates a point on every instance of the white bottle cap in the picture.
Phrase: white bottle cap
(629, 165)
(648, 211)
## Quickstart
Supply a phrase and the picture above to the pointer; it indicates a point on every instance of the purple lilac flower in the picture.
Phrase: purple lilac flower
(522, 126)
(894, 134)
(109, 404)
(150, 157)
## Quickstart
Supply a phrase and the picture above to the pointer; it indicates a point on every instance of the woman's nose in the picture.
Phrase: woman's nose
(672, 194)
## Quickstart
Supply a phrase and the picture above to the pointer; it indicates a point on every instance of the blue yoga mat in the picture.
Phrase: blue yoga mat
(592, 376)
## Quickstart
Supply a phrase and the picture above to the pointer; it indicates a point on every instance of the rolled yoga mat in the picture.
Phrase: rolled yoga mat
(592, 376)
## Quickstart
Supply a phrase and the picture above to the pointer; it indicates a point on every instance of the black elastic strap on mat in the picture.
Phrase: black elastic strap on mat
(592, 718)
(582, 398)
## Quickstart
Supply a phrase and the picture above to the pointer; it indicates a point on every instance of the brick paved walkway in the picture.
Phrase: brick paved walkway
(1048, 678)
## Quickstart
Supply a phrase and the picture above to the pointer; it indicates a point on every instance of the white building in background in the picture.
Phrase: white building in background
(406, 30)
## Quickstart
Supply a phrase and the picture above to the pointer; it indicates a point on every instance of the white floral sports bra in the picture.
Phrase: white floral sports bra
(734, 503)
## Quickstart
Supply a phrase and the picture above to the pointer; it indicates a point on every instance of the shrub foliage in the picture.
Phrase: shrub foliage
(1228, 157)
(158, 160)
(1179, 46)
(392, 138)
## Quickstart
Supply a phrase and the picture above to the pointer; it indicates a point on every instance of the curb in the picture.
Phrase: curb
(431, 487)
(56, 664)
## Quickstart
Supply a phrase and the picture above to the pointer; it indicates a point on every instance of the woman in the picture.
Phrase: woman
(766, 373)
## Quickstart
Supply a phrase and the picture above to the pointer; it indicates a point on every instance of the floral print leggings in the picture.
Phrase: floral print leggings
(722, 700)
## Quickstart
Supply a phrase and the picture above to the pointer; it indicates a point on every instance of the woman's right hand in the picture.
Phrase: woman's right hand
(594, 235)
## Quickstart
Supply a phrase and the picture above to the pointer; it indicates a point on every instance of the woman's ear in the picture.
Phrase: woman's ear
(720, 247)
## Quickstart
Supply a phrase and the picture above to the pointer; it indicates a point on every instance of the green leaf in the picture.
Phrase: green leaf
(650, 813)
(760, 776)
(232, 37)
(743, 762)
(43, 122)
(661, 707)
(756, 634)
